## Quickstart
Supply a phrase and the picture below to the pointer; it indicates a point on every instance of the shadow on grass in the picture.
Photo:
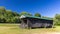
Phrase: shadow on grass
(41, 27)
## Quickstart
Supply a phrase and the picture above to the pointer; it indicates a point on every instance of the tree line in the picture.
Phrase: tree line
(8, 16)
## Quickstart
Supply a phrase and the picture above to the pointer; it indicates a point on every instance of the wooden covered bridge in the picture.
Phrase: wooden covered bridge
(32, 22)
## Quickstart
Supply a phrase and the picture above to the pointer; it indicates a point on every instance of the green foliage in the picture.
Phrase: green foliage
(37, 15)
(7, 16)
(57, 19)
(25, 13)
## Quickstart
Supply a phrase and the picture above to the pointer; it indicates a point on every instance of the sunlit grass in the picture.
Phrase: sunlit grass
(15, 29)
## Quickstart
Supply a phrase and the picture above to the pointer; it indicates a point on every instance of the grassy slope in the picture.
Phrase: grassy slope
(14, 29)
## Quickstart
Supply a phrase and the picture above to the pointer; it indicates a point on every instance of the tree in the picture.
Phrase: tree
(11, 16)
(25, 13)
(37, 15)
(8, 16)
(2, 8)
(57, 19)
(2, 13)
(57, 16)
(15, 14)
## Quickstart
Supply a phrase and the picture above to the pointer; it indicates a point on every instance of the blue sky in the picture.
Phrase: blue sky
(45, 7)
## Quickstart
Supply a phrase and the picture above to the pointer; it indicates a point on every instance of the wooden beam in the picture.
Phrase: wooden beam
(28, 23)
(22, 23)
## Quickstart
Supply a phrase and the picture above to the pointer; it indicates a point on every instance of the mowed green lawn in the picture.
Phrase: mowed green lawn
(15, 29)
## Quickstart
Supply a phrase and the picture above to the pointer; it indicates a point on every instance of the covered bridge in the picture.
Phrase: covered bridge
(32, 22)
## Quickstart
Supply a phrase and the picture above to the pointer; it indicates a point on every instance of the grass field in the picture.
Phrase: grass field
(15, 29)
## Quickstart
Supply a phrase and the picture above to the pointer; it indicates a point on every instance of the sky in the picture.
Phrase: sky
(45, 7)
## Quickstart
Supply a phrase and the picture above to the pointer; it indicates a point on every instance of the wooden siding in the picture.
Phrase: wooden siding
(34, 22)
